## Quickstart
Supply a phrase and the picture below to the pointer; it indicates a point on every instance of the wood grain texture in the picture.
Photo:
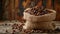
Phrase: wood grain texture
(13, 7)
(57, 8)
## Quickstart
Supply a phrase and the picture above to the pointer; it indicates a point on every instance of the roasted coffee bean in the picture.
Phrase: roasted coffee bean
(41, 10)
(38, 13)
(20, 28)
(6, 30)
(13, 33)
(49, 11)
(12, 27)
(57, 29)
(5, 24)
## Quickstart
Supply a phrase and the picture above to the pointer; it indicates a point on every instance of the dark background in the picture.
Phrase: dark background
(14, 9)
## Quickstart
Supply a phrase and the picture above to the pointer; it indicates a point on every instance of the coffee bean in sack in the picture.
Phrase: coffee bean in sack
(37, 11)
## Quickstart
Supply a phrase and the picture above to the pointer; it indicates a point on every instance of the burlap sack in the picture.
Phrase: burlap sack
(39, 22)
(41, 25)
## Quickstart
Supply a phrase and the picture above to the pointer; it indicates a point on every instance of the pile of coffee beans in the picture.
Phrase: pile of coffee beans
(40, 31)
(19, 28)
(38, 11)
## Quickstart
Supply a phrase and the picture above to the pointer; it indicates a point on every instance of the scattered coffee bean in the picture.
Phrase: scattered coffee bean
(5, 24)
(57, 30)
(13, 33)
(19, 28)
(6, 30)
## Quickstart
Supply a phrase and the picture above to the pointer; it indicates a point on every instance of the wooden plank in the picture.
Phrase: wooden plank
(49, 4)
(57, 8)
(16, 9)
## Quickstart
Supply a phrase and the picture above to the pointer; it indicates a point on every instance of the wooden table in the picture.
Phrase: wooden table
(3, 27)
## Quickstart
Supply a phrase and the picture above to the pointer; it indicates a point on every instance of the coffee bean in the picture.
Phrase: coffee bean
(57, 29)
(13, 33)
(41, 10)
(12, 27)
(5, 24)
(6, 30)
